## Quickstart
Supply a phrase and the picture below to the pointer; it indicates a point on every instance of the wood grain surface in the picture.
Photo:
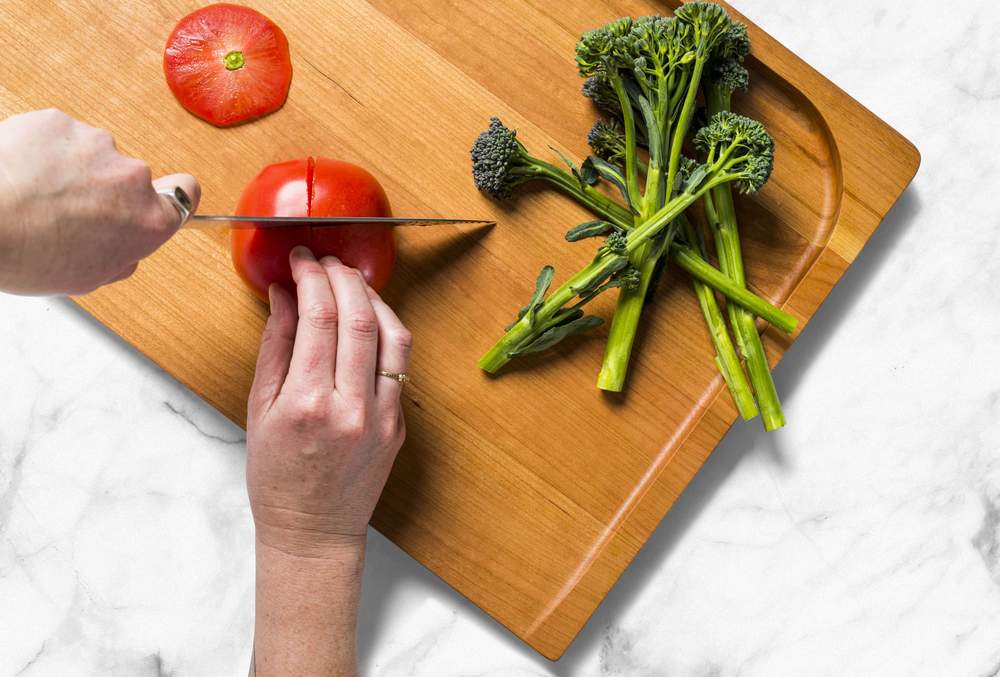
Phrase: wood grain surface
(531, 492)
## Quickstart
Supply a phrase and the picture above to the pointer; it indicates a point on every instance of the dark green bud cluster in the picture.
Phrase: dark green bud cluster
(598, 89)
(607, 140)
(658, 44)
(605, 48)
(629, 278)
(709, 23)
(731, 74)
(735, 44)
(616, 243)
(752, 148)
(494, 154)
(686, 168)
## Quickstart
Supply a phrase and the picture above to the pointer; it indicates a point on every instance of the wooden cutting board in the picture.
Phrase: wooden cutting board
(529, 493)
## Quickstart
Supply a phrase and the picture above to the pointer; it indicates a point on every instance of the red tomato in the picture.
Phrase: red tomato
(312, 187)
(228, 64)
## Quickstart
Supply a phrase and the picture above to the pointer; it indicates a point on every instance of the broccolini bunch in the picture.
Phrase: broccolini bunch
(646, 75)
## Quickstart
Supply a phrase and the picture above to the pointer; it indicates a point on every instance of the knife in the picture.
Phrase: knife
(182, 203)
(201, 222)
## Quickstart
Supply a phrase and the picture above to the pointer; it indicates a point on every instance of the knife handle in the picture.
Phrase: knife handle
(180, 200)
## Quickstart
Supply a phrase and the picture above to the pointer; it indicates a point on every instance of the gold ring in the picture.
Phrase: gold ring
(400, 378)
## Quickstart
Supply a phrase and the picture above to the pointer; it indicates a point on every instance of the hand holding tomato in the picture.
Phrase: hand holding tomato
(75, 213)
(323, 430)
(312, 187)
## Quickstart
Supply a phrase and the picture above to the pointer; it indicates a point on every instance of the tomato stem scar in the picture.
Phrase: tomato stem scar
(234, 60)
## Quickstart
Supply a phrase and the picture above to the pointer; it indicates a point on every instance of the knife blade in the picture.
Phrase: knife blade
(204, 221)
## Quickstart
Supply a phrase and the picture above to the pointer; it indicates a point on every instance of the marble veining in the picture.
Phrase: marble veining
(863, 539)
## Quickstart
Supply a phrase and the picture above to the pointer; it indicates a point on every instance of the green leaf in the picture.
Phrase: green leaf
(588, 229)
(697, 176)
(610, 173)
(587, 179)
(554, 335)
(542, 285)
(565, 315)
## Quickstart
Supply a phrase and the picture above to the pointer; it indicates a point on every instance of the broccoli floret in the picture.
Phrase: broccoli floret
(598, 89)
(709, 24)
(616, 243)
(605, 49)
(607, 140)
(629, 278)
(735, 44)
(730, 75)
(497, 157)
(742, 146)
(500, 163)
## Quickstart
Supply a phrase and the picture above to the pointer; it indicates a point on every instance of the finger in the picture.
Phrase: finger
(185, 182)
(124, 274)
(394, 345)
(275, 350)
(357, 335)
(314, 357)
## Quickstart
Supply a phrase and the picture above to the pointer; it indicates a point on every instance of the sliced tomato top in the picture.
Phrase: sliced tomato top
(228, 64)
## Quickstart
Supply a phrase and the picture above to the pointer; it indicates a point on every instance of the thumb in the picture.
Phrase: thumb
(275, 354)
(186, 183)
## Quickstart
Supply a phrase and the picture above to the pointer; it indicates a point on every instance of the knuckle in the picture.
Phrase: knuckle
(363, 327)
(136, 172)
(390, 431)
(354, 425)
(102, 137)
(308, 411)
(403, 339)
(322, 315)
(54, 115)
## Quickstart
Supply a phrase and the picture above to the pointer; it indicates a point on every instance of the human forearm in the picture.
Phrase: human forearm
(307, 608)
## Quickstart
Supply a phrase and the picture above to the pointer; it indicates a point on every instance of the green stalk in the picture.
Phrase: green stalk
(743, 322)
(590, 197)
(625, 321)
(726, 359)
(525, 328)
(628, 118)
(628, 310)
(722, 216)
(705, 272)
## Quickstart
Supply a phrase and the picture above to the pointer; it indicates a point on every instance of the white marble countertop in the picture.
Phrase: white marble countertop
(863, 539)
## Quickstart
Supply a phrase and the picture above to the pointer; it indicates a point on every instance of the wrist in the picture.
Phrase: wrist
(300, 544)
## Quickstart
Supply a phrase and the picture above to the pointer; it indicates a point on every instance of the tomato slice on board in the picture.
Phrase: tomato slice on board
(312, 187)
(228, 64)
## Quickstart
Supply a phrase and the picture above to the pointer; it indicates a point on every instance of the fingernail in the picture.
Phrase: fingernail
(329, 260)
(301, 252)
(270, 294)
